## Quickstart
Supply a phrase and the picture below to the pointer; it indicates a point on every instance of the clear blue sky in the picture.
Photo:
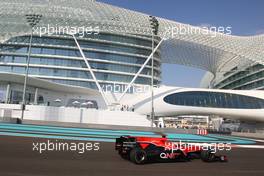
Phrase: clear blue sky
(246, 17)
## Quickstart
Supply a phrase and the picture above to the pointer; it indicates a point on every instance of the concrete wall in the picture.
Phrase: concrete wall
(249, 135)
(77, 115)
(112, 127)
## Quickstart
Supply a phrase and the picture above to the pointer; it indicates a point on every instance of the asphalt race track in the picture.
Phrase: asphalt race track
(17, 158)
(107, 135)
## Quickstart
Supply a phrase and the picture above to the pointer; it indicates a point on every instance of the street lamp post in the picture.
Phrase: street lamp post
(154, 26)
(32, 20)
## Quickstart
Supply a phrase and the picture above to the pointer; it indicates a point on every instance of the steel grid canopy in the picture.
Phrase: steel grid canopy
(206, 51)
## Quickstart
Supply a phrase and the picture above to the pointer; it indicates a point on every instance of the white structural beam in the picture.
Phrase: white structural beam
(140, 70)
(91, 71)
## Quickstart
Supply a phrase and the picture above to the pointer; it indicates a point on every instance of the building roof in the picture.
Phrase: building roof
(211, 51)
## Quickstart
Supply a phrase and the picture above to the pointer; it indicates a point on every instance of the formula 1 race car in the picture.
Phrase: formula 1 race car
(141, 150)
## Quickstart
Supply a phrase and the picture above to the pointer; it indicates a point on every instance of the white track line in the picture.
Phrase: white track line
(232, 145)
(250, 146)
(258, 140)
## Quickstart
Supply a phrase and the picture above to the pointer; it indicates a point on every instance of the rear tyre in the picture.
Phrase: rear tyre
(207, 156)
(124, 156)
(138, 156)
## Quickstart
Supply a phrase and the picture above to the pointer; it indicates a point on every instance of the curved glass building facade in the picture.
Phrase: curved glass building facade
(114, 58)
(214, 100)
(251, 77)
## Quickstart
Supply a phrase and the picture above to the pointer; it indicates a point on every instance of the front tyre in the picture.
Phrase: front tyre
(138, 156)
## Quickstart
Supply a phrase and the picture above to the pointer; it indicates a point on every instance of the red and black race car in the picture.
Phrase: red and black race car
(141, 150)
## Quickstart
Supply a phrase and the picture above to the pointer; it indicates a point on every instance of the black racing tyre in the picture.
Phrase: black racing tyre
(138, 156)
(182, 156)
(124, 156)
(207, 156)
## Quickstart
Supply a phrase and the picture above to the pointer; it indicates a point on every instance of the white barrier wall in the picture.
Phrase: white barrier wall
(77, 115)
(116, 118)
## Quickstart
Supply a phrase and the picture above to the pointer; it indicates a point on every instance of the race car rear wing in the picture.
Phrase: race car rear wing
(125, 142)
